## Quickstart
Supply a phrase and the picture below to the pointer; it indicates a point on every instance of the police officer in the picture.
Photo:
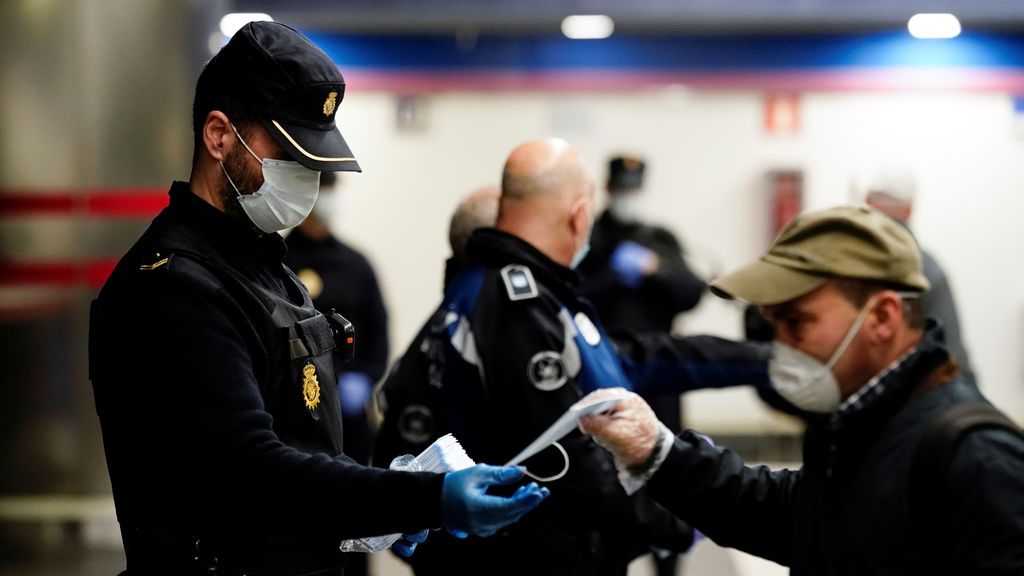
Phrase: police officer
(513, 346)
(211, 367)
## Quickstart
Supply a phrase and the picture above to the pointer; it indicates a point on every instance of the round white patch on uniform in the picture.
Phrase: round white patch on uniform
(591, 335)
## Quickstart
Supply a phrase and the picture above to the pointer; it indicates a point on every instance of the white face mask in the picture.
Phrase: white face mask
(803, 380)
(626, 206)
(286, 197)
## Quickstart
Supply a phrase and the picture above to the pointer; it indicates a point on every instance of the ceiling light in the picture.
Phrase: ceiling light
(934, 26)
(233, 22)
(589, 27)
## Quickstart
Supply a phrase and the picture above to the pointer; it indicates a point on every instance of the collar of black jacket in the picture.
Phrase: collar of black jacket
(491, 247)
(228, 234)
(897, 385)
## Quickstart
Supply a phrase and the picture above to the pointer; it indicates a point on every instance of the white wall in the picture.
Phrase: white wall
(707, 154)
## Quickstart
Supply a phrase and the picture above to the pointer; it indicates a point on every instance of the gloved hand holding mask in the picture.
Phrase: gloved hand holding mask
(630, 430)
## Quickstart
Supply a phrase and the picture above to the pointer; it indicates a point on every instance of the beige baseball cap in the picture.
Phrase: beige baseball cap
(847, 241)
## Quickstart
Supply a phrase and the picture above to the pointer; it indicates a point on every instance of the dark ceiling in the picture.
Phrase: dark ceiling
(631, 16)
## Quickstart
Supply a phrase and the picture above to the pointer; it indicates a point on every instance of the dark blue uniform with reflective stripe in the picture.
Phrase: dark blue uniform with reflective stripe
(510, 349)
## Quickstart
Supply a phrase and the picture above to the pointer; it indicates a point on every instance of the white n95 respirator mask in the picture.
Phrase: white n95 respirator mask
(802, 380)
(285, 198)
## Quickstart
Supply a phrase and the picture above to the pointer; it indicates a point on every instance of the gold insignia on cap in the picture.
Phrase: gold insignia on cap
(630, 164)
(310, 386)
(331, 103)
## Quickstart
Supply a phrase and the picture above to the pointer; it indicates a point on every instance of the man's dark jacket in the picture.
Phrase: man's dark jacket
(848, 510)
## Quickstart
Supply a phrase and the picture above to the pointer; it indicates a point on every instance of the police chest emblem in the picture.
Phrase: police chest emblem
(331, 103)
(310, 386)
(547, 371)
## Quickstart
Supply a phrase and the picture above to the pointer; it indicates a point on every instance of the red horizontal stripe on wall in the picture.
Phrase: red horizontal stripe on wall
(136, 202)
(106, 203)
(92, 273)
(19, 204)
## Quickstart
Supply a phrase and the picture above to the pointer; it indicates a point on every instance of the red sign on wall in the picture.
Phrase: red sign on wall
(782, 114)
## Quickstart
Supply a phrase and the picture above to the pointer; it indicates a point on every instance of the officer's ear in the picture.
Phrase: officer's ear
(217, 134)
(579, 218)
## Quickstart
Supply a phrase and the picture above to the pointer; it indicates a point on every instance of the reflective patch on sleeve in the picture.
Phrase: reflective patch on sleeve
(547, 371)
(570, 350)
(519, 282)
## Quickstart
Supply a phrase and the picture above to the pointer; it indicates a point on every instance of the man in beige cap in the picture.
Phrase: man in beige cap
(907, 469)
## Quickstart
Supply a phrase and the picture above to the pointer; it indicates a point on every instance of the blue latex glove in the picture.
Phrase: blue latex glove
(466, 508)
(632, 262)
(354, 389)
(406, 545)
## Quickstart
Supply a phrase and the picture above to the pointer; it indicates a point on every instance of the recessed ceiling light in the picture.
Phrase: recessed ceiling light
(934, 26)
(587, 27)
(233, 22)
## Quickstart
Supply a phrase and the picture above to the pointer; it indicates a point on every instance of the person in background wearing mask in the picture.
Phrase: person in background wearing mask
(213, 372)
(907, 468)
(340, 278)
(515, 347)
(638, 281)
(891, 190)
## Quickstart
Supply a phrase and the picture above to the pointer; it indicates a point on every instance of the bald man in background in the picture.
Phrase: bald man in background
(408, 397)
(515, 347)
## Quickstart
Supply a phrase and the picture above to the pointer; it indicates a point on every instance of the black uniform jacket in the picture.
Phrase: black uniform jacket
(847, 511)
(654, 304)
(348, 285)
(517, 369)
(205, 440)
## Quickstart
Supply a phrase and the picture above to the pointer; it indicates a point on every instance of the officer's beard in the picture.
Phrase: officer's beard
(239, 168)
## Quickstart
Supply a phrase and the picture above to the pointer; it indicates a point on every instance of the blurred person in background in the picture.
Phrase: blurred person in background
(340, 278)
(891, 190)
(408, 397)
(638, 281)
(212, 371)
(511, 348)
(907, 468)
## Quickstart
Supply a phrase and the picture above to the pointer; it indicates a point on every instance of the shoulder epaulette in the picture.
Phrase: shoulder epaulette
(519, 282)
(154, 261)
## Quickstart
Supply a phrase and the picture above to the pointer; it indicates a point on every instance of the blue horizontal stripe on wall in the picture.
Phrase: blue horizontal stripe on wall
(689, 53)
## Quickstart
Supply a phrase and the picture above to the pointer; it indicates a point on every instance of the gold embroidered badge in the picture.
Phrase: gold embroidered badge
(330, 103)
(310, 387)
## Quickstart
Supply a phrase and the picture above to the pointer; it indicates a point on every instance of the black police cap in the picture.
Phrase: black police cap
(293, 88)
(625, 173)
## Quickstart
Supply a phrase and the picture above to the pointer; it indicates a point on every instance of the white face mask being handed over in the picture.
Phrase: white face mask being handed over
(286, 197)
(803, 380)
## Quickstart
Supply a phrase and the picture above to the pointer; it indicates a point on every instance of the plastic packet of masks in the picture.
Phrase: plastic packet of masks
(444, 455)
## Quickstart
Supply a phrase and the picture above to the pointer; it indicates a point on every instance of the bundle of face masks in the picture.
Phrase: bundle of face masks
(444, 455)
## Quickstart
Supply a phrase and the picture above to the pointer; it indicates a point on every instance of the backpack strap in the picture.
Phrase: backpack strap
(934, 454)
